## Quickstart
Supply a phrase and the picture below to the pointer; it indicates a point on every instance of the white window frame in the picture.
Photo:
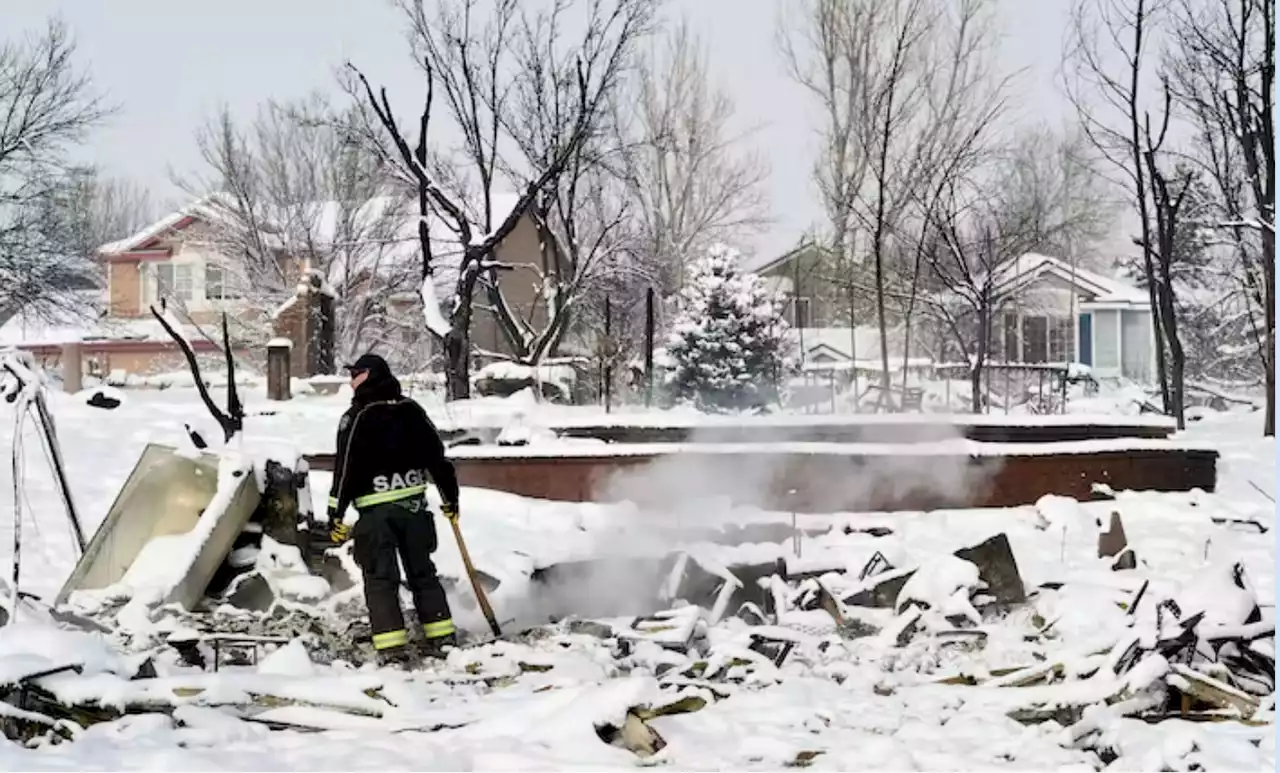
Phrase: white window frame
(172, 286)
(226, 282)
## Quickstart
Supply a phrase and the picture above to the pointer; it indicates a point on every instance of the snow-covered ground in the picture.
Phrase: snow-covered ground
(835, 703)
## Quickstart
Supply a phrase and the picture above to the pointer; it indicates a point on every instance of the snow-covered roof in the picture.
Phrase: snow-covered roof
(836, 342)
(334, 224)
(756, 264)
(204, 209)
(83, 321)
(1017, 274)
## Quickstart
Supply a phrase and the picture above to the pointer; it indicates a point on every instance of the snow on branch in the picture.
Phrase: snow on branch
(436, 322)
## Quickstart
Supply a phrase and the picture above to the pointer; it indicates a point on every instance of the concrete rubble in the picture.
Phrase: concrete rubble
(704, 631)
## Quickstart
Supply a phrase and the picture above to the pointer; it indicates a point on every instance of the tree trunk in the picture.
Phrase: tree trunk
(1268, 356)
(457, 364)
(1177, 356)
(979, 361)
(1177, 369)
(1140, 191)
(457, 344)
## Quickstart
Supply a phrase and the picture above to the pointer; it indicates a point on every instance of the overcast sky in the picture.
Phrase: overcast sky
(170, 65)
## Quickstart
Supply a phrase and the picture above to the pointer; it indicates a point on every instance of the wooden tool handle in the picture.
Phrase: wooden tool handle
(475, 581)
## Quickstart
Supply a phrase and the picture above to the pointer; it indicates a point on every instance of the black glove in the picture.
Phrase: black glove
(449, 511)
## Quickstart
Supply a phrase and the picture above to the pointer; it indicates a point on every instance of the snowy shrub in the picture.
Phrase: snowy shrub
(728, 345)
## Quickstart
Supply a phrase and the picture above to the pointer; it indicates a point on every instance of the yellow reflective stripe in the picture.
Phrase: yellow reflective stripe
(394, 495)
(333, 501)
(438, 628)
(385, 641)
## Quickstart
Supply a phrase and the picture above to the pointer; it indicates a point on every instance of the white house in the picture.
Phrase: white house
(1052, 311)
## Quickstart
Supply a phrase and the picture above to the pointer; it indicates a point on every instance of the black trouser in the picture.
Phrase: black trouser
(383, 531)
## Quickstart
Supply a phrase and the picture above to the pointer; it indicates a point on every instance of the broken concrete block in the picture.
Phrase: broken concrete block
(590, 628)
(717, 588)
(1112, 541)
(997, 568)
(751, 614)
(331, 569)
(881, 590)
(188, 645)
(1125, 561)
(251, 592)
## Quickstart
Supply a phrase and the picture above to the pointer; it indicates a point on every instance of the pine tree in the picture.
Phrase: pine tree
(729, 341)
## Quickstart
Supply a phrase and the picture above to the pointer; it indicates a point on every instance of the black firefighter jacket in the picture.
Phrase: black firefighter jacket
(388, 450)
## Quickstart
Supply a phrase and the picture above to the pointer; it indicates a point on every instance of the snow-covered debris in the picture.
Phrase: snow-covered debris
(290, 660)
(943, 586)
(763, 686)
(29, 648)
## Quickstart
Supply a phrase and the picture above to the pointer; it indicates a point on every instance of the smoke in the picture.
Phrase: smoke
(714, 479)
(907, 465)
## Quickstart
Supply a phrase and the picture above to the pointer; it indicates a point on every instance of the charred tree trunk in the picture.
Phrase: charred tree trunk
(232, 420)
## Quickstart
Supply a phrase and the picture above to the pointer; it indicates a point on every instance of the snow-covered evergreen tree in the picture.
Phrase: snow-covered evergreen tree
(729, 341)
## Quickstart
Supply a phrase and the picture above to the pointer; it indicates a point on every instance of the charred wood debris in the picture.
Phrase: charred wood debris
(771, 619)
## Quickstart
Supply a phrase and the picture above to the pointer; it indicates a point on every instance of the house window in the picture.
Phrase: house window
(1035, 339)
(174, 281)
(1011, 339)
(1061, 332)
(219, 284)
(800, 312)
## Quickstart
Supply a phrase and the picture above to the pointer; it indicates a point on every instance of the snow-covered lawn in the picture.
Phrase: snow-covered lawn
(835, 703)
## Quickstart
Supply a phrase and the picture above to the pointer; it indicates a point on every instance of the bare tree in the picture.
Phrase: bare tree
(293, 193)
(110, 208)
(909, 98)
(828, 55)
(1109, 98)
(984, 221)
(46, 106)
(965, 99)
(1169, 190)
(582, 212)
(692, 180)
(470, 61)
(1221, 70)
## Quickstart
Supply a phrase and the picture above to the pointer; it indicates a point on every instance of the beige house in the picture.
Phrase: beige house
(806, 276)
(178, 260)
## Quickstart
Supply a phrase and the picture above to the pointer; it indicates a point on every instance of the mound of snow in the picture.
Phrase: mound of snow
(26, 648)
(290, 660)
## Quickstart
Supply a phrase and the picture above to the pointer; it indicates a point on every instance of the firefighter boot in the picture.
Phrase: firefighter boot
(439, 646)
(400, 658)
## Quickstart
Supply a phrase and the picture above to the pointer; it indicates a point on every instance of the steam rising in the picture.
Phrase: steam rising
(692, 493)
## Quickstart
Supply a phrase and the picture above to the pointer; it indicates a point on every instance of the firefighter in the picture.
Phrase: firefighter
(387, 451)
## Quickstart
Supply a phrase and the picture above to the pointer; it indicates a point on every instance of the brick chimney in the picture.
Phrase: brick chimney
(307, 319)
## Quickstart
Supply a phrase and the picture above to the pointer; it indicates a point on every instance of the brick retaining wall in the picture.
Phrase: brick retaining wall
(831, 482)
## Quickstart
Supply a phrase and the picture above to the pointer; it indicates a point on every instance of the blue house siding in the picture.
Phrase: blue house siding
(1085, 339)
